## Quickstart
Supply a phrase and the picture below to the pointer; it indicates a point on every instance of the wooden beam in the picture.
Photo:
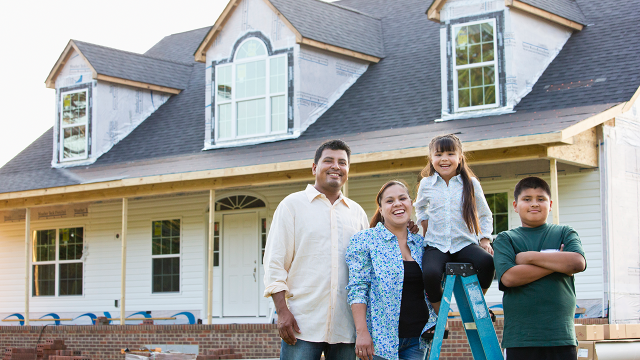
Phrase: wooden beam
(433, 12)
(27, 245)
(62, 60)
(138, 84)
(543, 14)
(201, 52)
(339, 50)
(274, 173)
(592, 121)
(212, 210)
(632, 101)
(123, 271)
(584, 151)
(284, 20)
(553, 167)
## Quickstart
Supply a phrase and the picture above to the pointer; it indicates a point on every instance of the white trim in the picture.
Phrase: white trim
(62, 127)
(268, 134)
(56, 262)
(166, 256)
(455, 68)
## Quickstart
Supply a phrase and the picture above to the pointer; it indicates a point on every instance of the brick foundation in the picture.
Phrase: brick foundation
(253, 341)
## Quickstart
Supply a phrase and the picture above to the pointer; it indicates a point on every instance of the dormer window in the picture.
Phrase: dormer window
(251, 93)
(475, 66)
(75, 120)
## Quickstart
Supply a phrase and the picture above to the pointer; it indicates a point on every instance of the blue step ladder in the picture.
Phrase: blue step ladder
(462, 281)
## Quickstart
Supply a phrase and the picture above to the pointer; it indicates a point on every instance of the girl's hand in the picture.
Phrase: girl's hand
(364, 346)
(486, 244)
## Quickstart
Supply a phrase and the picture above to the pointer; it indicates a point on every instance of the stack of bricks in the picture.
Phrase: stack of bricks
(101, 320)
(51, 348)
(14, 353)
(147, 322)
(68, 355)
(212, 354)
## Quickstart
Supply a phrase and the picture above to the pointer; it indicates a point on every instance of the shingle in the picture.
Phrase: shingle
(178, 47)
(334, 25)
(568, 9)
(136, 67)
(391, 106)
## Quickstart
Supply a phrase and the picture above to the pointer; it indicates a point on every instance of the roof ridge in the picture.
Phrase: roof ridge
(133, 53)
(349, 9)
(184, 32)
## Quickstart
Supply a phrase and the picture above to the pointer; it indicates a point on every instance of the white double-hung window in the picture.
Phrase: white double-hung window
(251, 93)
(475, 66)
(74, 120)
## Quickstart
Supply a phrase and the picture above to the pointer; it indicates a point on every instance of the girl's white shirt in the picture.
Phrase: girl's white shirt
(442, 206)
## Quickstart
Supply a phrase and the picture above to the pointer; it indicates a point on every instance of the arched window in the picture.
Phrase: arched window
(237, 202)
(251, 93)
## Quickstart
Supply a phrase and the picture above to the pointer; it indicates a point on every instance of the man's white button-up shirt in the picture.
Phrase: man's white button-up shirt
(305, 257)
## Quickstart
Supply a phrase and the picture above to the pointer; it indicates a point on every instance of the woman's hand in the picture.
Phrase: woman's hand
(486, 244)
(364, 346)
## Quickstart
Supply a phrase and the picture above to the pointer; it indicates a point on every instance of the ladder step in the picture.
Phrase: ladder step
(470, 326)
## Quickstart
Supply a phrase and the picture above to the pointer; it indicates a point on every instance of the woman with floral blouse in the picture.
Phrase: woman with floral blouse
(386, 292)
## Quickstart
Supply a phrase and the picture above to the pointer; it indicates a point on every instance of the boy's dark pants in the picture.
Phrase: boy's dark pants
(542, 353)
(434, 261)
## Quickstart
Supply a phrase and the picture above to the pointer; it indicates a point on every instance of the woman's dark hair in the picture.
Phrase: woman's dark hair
(446, 143)
(377, 217)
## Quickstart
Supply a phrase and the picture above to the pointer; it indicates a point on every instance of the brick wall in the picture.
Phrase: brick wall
(254, 341)
(257, 341)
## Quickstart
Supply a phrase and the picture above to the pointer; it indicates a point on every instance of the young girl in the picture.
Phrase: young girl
(455, 216)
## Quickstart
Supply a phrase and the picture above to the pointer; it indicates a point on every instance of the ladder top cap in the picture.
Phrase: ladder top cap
(462, 269)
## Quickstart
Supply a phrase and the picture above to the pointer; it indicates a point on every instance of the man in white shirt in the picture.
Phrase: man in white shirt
(305, 265)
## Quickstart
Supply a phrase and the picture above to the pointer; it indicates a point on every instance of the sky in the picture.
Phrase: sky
(34, 34)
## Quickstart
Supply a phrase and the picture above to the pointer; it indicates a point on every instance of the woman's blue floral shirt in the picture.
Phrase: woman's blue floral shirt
(376, 277)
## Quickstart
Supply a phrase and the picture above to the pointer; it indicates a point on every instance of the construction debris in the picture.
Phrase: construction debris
(52, 349)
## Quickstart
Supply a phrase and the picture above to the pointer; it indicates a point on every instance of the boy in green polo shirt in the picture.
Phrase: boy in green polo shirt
(535, 264)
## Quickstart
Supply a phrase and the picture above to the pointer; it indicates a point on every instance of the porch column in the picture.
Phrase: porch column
(345, 189)
(212, 211)
(554, 191)
(27, 243)
(123, 273)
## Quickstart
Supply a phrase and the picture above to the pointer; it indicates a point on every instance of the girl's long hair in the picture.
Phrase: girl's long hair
(446, 143)
(377, 217)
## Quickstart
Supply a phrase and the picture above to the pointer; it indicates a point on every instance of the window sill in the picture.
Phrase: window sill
(251, 141)
(72, 163)
(477, 113)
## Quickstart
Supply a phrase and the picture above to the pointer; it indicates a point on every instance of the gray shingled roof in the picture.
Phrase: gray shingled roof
(568, 9)
(335, 25)
(371, 115)
(136, 67)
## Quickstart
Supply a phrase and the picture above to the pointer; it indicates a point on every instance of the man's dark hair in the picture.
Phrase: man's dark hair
(332, 145)
(531, 182)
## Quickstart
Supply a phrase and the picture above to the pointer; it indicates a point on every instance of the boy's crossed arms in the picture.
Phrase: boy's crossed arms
(534, 265)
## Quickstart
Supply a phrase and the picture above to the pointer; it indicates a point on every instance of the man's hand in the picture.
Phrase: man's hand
(413, 228)
(486, 244)
(364, 346)
(286, 322)
(286, 326)
(425, 225)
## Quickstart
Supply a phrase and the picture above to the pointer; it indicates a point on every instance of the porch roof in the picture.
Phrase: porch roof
(386, 129)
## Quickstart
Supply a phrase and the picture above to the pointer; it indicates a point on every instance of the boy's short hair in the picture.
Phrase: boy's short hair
(332, 145)
(531, 182)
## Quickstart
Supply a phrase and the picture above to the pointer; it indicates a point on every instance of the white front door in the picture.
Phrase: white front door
(240, 273)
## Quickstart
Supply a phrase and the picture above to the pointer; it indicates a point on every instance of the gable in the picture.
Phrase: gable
(563, 12)
(314, 23)
(76, 70)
